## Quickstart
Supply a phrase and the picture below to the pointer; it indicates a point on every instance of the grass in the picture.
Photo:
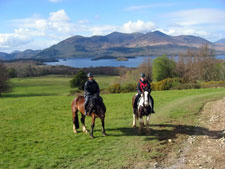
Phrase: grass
(36, 126)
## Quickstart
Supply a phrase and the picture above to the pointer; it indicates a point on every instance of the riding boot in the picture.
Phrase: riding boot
(86, 113)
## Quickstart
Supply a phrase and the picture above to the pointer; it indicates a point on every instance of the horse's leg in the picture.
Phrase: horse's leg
(83, 123)
(103, 126)
(75, 120)
(147, 124)
(92, 125)
(141, 125)
(134, 120)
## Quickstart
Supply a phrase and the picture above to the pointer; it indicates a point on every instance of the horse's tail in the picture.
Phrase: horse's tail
(75, 114)
(76, 121)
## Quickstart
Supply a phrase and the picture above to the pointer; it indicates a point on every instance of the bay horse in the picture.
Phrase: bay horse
(97, 109)
(144, 108)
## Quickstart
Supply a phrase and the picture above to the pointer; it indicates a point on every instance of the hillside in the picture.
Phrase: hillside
(221, 41)
(118, 44)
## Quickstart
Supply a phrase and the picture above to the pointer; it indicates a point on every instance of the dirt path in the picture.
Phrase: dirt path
(205, 149)
(205, 146)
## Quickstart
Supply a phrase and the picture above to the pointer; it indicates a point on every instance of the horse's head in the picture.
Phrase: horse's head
(146, 98)
(145, 95)
(96, 105)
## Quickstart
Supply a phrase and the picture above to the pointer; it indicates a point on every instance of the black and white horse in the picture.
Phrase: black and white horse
(144, 108)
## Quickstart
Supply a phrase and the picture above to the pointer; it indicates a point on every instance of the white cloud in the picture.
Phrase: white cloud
(147, 6)
(138, 26)
(59, 16)
(198, 16)
(102, 30)
(55, 1)
(53, 29)
(128, 27)
(13, 39)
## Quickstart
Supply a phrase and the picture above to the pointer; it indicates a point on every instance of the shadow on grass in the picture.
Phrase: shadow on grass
(169, 131)
(26, 95)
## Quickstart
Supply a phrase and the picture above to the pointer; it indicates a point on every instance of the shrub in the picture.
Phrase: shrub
(166, 84)
(128, 88)
(115, 88)
(213, 84)
(187, 86)
(79, 80)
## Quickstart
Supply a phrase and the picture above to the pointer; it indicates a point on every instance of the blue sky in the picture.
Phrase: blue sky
(30, 24)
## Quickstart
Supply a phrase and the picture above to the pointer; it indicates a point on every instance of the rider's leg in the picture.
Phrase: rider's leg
(85, 105)
(152, 101)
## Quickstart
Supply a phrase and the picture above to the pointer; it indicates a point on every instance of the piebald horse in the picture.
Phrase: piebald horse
(144, 108)
(97, 109)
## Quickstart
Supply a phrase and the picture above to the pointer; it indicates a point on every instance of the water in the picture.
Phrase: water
(87, 62)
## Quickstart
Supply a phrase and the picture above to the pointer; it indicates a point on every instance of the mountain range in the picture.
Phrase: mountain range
(118, 44)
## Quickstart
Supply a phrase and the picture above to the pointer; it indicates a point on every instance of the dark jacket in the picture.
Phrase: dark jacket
(91, 88)
(143, 84)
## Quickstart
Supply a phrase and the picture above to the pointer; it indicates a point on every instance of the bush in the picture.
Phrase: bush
(129, 88)
(126, 88)
(187, 86)
(213, 84)
(166, 84)
(79, 80)
(115, 88)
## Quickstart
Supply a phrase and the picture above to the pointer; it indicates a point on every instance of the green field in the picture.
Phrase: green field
(36, 126)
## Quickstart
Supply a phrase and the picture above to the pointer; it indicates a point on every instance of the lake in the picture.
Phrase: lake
(87, 62)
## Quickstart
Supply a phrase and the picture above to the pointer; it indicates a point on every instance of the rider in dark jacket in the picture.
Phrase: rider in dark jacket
(91, 89)
(143, 83)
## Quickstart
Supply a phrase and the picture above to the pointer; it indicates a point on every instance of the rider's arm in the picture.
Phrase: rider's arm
(86, 91)
(138, 88)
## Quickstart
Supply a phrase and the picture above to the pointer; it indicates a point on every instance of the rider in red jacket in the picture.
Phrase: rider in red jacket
(143, 83)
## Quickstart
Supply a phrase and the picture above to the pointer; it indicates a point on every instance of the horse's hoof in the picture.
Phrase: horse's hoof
(85, 131)
(134, 126)
(75, 132)
(104, 134)
(92, 136)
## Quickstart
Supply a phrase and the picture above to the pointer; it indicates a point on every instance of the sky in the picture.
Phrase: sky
(39, 24)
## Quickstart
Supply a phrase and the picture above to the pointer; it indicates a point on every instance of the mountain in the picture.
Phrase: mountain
(118, 44)
(29, 53)
(5, 56)
(220, 41)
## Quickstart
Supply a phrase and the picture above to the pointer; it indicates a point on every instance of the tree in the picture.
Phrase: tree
(163, 68)
(79, 80)
(146, 68)
(12, 73)
(4, 79)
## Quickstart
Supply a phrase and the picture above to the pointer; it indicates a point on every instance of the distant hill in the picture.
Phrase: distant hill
(29, 53)
(5, 56)
(221, 41)
(118, 44)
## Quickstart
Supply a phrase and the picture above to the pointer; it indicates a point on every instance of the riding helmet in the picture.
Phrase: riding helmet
(89, 75)
(142, 75)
